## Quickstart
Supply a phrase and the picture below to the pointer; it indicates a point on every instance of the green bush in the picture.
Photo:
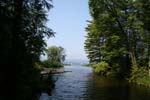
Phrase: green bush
(140, 76)
(50, 64)
(138, 73)
(115, 70)
(56, 65)
(101, 68)
(38, 65)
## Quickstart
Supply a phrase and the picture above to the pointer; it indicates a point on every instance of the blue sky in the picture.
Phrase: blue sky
(68, 20)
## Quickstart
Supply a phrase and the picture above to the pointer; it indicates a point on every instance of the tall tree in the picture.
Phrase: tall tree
(56, 54)
(93, 43)
(124, 32)
(22, 35)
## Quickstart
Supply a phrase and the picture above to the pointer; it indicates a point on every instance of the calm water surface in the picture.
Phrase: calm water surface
(82, 84)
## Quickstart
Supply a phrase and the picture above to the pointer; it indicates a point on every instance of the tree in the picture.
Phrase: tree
(22, 42)
(109, 33)
(93, 43)
(122, 25)
(55, 56)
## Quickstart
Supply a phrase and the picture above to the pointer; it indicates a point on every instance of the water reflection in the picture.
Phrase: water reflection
(101, 88)
(82, 84)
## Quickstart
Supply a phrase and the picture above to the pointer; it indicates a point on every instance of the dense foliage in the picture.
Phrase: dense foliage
(102, 68)
(55, 57)
(56, 54)
(119, 34)
(22, 32)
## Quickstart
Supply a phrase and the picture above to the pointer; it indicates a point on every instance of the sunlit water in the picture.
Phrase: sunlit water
(82, 84)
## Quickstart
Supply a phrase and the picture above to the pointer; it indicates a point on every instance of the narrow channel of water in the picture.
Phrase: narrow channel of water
(82, 84)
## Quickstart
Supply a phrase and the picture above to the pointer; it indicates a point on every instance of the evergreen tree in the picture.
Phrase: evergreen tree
(123, 27)
(22, 41)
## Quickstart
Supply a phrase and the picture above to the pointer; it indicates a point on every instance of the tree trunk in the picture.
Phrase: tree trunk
(148, 50)
(149, 57)
(133, 58)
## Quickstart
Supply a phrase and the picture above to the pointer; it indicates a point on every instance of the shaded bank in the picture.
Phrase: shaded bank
(119, 36)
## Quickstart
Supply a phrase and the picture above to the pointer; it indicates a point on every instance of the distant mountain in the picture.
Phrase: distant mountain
(76, 61)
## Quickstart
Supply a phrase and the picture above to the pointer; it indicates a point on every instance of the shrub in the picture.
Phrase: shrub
(138, 73)
(50, 64)
(115, 70)
(55, 65)
(38, 65)
(101, 68)
(140, 76)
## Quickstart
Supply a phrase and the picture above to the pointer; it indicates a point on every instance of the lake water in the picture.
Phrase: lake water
(83, 84)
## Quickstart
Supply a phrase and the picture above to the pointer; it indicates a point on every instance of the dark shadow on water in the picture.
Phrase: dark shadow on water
(101, 88)
(83, 84)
